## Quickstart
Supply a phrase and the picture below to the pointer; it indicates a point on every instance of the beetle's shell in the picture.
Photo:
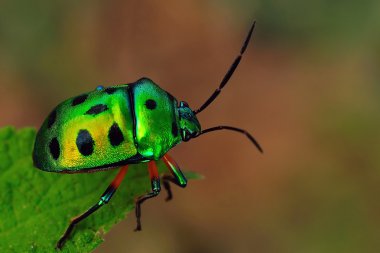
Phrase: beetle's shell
(106, 128)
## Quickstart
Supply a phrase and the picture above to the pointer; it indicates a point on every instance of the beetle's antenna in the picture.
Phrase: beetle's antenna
(250, 137)
(229, 73)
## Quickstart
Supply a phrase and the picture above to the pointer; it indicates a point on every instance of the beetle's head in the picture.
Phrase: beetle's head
(188, 122)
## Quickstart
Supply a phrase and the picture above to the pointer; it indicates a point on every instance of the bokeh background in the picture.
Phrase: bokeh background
(308, 89)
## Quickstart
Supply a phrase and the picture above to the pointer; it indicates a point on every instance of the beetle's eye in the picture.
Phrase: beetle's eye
(183, 104)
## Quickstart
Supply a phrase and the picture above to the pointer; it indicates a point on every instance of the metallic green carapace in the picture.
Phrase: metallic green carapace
(121, 125)
(112, 126)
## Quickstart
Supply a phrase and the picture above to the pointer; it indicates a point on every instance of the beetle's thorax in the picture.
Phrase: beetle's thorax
(188, 122)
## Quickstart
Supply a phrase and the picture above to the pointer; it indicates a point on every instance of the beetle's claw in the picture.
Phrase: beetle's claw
(59, 244)
(138, 228)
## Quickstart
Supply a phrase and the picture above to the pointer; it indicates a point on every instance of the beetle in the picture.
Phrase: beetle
(120, 125)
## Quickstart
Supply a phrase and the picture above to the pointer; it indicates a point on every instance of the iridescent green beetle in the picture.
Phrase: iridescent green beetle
(120, 125)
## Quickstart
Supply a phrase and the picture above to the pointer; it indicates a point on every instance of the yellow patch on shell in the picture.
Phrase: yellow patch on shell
(98, 126)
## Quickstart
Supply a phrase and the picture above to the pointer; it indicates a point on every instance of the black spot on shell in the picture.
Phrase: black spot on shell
(150, 104)
(79, 100)
(85, 143)
(110, 90)
(51, 119)
(96, 109)
(54, 148)
(115, 135)
(174, 129)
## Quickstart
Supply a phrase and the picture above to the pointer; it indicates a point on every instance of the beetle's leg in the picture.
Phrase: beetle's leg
(155, 182)
(176, 176)
(106, 196)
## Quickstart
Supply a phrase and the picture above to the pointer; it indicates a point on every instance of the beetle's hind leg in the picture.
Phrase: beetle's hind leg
(176, 176)
(156, 188)
(106, 196)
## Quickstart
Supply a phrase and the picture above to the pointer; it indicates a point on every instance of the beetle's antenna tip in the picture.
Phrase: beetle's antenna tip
(248, 135)
(230, 71)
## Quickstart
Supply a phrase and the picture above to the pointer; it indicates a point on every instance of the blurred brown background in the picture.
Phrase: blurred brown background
(308, 89)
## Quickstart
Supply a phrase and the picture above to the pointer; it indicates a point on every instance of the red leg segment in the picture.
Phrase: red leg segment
(176, 176)
(156, 187)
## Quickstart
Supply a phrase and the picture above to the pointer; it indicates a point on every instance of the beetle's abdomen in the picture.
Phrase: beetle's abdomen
(157, 128)
(91, 131)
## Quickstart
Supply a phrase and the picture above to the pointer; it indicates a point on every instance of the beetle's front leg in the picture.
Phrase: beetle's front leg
(156, 188)
(176, 177)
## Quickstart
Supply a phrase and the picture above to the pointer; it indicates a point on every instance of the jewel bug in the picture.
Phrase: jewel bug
(120, 125)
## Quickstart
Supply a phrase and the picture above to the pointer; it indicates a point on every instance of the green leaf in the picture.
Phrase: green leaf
(36, 206)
